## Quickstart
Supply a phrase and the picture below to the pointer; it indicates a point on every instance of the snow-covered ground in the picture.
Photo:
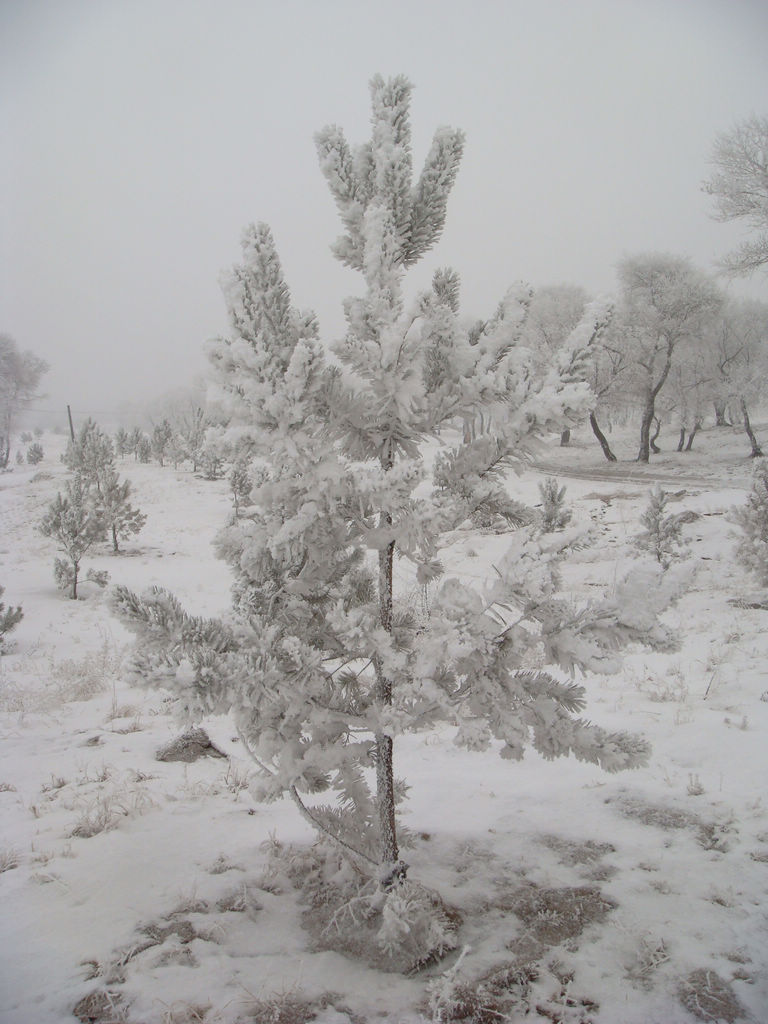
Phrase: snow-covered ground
(639, 897)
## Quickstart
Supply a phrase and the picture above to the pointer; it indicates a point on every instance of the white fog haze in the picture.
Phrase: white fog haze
(383, 634)
(140, 139)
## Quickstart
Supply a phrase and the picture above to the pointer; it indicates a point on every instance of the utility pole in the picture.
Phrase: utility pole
(71, 428)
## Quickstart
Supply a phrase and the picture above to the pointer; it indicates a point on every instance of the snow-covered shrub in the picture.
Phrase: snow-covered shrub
(501, 992)
(323, 665)
(415, 923)
(554, 514)
(35, 454)
(752, 519)
(662, 534)
(9, 618)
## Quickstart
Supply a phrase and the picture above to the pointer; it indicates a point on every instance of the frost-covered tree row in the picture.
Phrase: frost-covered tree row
(322, 663)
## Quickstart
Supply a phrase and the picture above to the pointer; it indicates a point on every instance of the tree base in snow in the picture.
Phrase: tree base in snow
(401, 930)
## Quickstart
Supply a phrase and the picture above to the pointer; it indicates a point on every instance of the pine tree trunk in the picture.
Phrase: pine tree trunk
(114, 539)
(603, 440)
(757, 451)
(385, 780)
(565, 438)
(681, 442)
(389, 855)
(75, 570)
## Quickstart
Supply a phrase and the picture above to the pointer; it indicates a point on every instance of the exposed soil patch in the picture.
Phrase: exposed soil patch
(709, 998)
(709, 835)
(659, 815)
(555, 915)
(572, 853)
(183, 930)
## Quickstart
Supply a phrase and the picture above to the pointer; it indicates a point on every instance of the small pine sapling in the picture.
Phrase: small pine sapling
(554, 514)
(161, 438)
(35, 454)
(752, 519)
(135, 438)
(90, 454)
(240, 485)
(73, 522)
(176, 451)
(325, 663)
(211, 462)
(9, 618)
(191, 433)
(662, 536)
(119, 517)
(144, 449)
(122, 442)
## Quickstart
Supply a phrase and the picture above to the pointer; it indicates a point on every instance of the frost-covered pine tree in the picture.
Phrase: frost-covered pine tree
(323, 664)
(10, 617)
(91, 457)
(554, 514)
(240, 485)
(75, 525)
(35, 454)
(161, 439)
(662, 535)
(752, 518)
(119, 517)
(135, 439)
(122, 442)
(90, 454)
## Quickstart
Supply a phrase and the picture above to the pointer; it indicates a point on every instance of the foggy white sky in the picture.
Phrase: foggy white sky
(140, 136)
